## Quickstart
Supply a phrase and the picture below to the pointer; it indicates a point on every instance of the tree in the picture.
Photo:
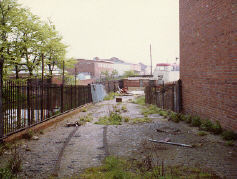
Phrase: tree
(114, 74)
(129, 73)
(8, 14)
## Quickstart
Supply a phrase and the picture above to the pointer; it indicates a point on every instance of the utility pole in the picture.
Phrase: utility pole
(75, 76)
(151, 59)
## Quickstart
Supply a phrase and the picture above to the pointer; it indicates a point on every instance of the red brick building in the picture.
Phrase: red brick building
(91, 67)
(208, 59)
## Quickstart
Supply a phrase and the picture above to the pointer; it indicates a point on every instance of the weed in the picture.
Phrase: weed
(111, 95)
(183, 117)
(118, 168)
(202, 133)
(139, 100)
(229, 135)
(28, 135)
(206, 125)
(152, 109)
(196, 122)
(86, 118)
(139, 120)
(216, 128)
(174, 117)
(230, 143)
(127, 119)
(84, 109)
(14, 163)
(112, 119)
(5, 173)
(12, 168)
(163, 113)
(124, 108)
(188, 119)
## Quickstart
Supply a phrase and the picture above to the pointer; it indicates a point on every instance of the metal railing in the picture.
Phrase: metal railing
(31, 102)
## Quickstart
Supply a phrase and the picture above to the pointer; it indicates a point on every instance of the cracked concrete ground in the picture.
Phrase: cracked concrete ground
(91, 143)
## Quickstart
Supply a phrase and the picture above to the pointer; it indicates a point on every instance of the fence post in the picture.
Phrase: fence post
(62, 90)
(173, 98)
(89, 93)
(163, 95)
(114, 87)
(71, 96)
(28, 101)
(179, 96)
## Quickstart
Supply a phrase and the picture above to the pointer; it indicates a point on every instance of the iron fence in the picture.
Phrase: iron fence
(31, 102)
(165, 96)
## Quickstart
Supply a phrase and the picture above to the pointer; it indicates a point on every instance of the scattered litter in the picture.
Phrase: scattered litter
(167, 139)
(118, 100)
(74, 124)
(28, 149)
(171, 143)
(35, 138)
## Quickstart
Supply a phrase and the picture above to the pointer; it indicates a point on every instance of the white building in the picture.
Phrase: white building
(166, 72)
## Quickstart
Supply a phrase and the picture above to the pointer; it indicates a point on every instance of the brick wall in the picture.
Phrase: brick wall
(135, 83)
(208, 59)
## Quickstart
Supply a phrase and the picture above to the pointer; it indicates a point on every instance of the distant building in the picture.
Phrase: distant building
(90, 69)
(166, 72)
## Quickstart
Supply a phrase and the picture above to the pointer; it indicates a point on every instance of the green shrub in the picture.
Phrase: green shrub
(206, 125)
(112, 119)
(163, 113)
(183, 117)
(229, 135)
(151, 109)
(216, 128)
(196, 122)
(188, 119)
(174, 117)
(5, 173)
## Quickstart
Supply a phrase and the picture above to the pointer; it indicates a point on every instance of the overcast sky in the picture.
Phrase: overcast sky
(114, 28)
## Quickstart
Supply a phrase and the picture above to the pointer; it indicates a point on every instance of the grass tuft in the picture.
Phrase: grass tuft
(28, 135)
(202, 133)
(139, 120)
(139, 100)
(111, 96)
(229, 135)
(196, 121)
(113, 119)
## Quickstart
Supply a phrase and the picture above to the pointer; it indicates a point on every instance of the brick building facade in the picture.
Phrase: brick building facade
(208, 59)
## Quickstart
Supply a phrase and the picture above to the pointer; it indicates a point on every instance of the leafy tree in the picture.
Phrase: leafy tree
(8, 15)
(129, 73)
(114, 74)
